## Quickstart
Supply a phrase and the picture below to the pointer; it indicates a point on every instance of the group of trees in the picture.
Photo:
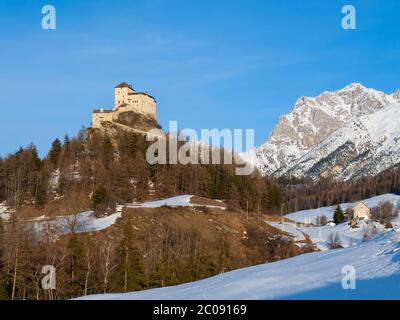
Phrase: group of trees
(27, 179)
(113, 168)
(302, 194)
(385, 212)
(110, 168)
(83, 264)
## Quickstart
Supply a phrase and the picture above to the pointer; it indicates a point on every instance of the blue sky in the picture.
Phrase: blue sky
(210, 64)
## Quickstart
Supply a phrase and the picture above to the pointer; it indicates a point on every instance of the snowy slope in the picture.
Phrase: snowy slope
(80, 223)
(288, 228)
(310, 276)
(348, 236)
(312, 120)
(315, 275)
(320, 235)
(178, 201)
(300, 216)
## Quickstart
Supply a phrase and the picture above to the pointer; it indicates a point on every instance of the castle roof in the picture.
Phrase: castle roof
(124, 85)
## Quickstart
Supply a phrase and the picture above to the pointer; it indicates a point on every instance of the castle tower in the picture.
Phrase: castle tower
(121, 93)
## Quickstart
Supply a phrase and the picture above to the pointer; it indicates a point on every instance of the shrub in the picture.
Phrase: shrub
(334, 241)
(349, 214)
(322, 220)
(384, 213)
(369, 231)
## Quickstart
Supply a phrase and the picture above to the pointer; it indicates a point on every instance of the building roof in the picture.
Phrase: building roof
(361, 204)
(124, 85)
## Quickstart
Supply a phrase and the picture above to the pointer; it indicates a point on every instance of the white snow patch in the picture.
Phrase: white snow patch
(178, 201)
(81, 222)
(5, 211)
(288, 228)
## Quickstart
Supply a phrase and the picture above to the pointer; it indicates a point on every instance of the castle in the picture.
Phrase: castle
(126, 100)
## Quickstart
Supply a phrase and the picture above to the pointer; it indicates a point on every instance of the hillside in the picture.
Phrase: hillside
(310, 276)
(101, 167)
(140, 246)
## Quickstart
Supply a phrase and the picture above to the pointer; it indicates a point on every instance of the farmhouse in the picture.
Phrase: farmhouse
(126, 100)
(361, 211)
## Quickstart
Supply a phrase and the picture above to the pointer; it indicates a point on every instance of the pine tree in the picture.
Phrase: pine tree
(41, 196)
(76, 264)
(99, 197)
(55, 151)
(129, 273)
(67, 141)
(338, 215)
(275, 197)
(265, 200)
(35, 157)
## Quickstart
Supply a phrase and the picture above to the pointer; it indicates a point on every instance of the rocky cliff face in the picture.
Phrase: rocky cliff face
(131, 121)
(138, 121)
(363, 146)
(311, 122)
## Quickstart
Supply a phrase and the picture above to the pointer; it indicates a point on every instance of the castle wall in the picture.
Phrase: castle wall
(139, 103)
(98, 117)
(142, 103)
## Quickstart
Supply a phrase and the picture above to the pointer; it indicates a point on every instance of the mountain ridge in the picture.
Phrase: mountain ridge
(311, 121)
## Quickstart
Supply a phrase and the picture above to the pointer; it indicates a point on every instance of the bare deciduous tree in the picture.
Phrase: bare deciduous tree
(334, 241)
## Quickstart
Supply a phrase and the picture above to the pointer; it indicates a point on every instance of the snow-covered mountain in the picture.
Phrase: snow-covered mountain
(363, 146)
(314, 120)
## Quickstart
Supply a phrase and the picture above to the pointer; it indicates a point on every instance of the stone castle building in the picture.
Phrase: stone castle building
(126, 100)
